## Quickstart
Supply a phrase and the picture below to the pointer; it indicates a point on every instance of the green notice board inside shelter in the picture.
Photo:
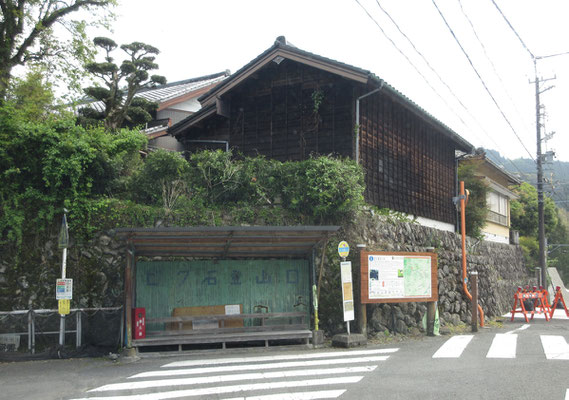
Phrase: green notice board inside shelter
(279, 285)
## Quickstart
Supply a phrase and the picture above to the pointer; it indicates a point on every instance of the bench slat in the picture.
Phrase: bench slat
(266, 328)
(226, 317)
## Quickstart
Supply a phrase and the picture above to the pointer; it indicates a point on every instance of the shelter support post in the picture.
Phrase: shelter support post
(128, 296)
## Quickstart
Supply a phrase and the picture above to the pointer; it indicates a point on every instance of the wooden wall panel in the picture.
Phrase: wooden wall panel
(409, 165)
(273, 114)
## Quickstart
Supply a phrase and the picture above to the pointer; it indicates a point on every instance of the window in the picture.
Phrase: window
(498, 208)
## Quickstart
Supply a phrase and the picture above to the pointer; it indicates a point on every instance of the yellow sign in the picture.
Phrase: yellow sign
(343, 249)
(64, 306)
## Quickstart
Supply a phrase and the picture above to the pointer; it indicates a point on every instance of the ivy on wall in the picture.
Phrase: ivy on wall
(105, 181)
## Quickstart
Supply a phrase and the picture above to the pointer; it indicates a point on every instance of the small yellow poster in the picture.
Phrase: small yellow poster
(348, 292)
(64, 307)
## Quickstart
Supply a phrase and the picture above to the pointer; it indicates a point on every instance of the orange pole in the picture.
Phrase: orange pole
(463, 234)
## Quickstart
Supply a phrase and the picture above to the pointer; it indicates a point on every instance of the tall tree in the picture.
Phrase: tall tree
(32, 96)
(121, 107)
(26, 32)
(524, 212)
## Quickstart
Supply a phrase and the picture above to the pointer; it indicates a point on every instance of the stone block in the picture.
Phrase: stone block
(348, 341)
(317, 338)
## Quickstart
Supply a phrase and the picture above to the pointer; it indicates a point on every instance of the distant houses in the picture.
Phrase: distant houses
(499, 195)
(176, 101)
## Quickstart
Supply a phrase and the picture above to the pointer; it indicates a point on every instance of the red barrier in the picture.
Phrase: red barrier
(538, 303)
(544, 307)
(558, 297)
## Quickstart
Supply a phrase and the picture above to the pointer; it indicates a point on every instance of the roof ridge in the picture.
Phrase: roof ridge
(184, 81)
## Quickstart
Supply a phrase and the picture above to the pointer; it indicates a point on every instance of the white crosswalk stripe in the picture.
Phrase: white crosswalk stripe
(231, 378)
(248, 367)
(504, 345)
(236, 360)
(567, 395)
(247, 377)
(453, 347)
(555, 347)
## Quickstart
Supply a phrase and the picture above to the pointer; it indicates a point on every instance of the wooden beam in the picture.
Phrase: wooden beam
(223, 107)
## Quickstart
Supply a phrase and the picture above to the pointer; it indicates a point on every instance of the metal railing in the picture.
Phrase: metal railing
(32, 314)
(497, 218)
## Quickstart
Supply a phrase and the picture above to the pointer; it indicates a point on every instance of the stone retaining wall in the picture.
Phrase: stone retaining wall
(97, 269)
(501, 270)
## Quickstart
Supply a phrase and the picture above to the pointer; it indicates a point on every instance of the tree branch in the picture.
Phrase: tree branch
(48, 20)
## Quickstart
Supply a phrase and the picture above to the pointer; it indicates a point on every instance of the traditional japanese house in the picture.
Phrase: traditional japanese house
(176, 101)
(499, 183)
(288, 104)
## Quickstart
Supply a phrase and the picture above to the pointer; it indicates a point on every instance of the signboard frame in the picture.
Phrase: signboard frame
(364, 274)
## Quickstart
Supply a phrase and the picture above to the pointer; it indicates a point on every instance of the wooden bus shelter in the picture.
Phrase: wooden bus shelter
(220, 284)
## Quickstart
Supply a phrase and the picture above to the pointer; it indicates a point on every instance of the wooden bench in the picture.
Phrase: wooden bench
(291, 325)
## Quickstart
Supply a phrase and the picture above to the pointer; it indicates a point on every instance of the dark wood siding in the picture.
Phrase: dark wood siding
(409, 165)
(273, 114)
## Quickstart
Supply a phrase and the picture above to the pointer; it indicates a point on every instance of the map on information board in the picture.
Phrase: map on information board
(399, 276)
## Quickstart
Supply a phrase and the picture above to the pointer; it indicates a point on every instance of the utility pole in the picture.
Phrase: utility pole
(540, 198)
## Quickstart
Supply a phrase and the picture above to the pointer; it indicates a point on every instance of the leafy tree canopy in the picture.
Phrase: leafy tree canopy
(122, 108)
(27, 36)
(524, 212)
(48, 165)
(476, 210)
(32, 96)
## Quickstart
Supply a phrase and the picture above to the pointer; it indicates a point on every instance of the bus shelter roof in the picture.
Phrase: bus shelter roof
(226, 242)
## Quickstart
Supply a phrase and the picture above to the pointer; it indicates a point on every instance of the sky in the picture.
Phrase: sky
(198, 38)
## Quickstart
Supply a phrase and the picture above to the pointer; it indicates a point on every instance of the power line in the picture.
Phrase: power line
(552, 55)
(420, 54)
(513, 30)
(481, 80)
(489, 59)
(442, 80)
(411, 63)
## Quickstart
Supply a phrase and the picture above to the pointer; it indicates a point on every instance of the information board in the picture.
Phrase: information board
(347, 291)
(64, 289)
(390, 277)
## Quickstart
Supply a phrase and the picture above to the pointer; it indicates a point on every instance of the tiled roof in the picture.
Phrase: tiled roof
(281, 43)
(169, 91)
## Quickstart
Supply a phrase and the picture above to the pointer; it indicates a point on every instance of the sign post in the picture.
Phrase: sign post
(64, 287)
(347, 284)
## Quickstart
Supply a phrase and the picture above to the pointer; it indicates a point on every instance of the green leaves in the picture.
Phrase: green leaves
(105, 43)
(318, 190)
(45, 165)
(476, 210)
(331, 189)
(121, 109)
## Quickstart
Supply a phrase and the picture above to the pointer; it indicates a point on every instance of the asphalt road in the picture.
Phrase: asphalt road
(516, 361)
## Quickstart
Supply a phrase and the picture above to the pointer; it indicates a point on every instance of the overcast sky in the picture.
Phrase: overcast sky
(202, 37)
